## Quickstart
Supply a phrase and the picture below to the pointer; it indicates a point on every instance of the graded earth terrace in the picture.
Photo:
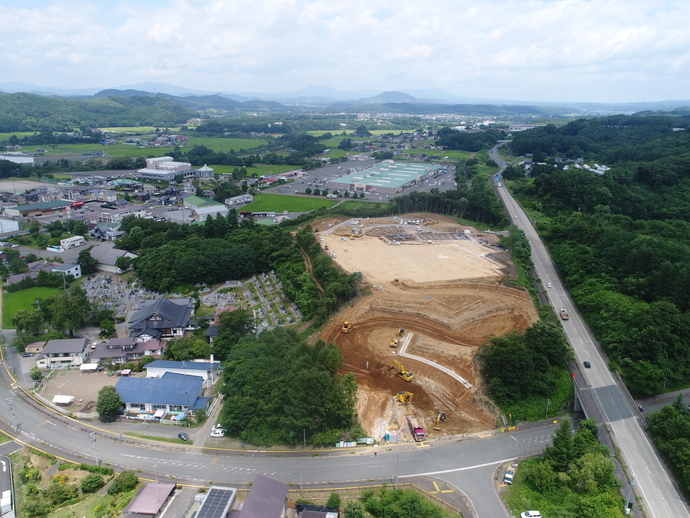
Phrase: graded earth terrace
(441, 283)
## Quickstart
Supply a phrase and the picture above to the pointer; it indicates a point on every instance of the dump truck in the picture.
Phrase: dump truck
(564, 314)
(416, 430)
(404, 397)
(407, 376)
(510, 473)
(347, 327)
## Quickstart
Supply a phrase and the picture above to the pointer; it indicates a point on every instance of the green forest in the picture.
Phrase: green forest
(621, 240)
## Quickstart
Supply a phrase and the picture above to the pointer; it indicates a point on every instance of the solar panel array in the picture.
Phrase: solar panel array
(218, 503)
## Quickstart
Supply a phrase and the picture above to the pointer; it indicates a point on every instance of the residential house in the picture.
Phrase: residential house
(171, 393)
(217, 502)
(163, 319)
(35, 347)
(124, 350)
(107, 255)
(267, 498)
(71, 352)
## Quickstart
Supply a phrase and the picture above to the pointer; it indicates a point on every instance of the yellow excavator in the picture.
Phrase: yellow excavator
(393, 342)
(404, 397)
(407, 376)
(396, 281)
(401, 331)
(347, 327)
(440, 418)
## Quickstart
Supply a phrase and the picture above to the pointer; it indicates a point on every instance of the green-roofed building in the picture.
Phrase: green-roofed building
(387, 177)
(203, 207)
(38, 209)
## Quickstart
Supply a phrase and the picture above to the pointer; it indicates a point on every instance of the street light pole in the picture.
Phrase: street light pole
(300, 477)
(10, 402)
(627, 500)
(397, 469)
(93, 443)
(548, 402)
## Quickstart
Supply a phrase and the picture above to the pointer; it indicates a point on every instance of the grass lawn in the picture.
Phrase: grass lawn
(280, 203)
(23, 299)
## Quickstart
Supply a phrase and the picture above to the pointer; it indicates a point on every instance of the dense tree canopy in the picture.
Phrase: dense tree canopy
(621, 240)
(277, 388)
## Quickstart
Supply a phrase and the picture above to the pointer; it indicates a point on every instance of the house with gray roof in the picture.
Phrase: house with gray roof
(123, 350)
(267, 498)
(170, 393)
(107, 255)
(57, 354)
(163, 319)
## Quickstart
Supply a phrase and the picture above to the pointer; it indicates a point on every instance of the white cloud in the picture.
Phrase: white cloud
(608, 50)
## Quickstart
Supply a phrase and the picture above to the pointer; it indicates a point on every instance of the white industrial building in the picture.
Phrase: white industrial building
(8, 225)
(165, 168)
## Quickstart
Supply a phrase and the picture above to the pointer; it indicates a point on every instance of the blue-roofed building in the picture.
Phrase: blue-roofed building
(170, 393)
(206, 370)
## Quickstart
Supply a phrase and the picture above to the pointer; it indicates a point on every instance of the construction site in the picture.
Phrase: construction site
(435, 295)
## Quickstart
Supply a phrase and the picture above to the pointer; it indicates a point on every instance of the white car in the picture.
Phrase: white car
(549, 285)
(218, 427)
(218, 433)
(531, 514)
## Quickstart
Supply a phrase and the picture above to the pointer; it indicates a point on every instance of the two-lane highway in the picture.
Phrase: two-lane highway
(653, 483)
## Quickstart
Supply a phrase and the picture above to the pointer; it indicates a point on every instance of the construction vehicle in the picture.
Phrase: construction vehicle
(401, 331)
(325, 247)
(440, 418)
(404, 397)
(347, 327)
(430, 222)
(407, 376)
(417, 431)
(393, 342)
(396, 281)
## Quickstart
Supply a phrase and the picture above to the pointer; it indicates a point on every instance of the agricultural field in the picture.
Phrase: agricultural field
(23, 299)
(138, 130)
(19, 134)
(280, 203)
(226, 144)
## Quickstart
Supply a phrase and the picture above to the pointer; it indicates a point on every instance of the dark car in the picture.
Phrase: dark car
(587, 365)
(27, 355)
(183, 436)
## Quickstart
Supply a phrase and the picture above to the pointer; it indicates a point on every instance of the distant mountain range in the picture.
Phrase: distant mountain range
(152, 105)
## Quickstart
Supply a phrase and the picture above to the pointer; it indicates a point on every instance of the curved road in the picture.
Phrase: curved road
(653, 483)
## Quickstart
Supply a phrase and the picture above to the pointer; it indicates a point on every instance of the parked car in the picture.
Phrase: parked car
(183, 436)
(218, 433)
(531, 514)
(510, 473)
(218, 426)
(27, 355)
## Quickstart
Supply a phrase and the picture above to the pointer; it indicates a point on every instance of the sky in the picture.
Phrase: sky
(529, 50)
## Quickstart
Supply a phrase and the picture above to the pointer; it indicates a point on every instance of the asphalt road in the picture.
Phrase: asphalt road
(467, 463)
(618, 410)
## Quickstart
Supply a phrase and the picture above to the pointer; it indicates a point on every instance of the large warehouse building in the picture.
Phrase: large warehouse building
(387, 177)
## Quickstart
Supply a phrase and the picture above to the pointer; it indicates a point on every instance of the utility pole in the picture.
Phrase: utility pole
(93, 443)
(10, 402)
(300, 477)
(548, 402)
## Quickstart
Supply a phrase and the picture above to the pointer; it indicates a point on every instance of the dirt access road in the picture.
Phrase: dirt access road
(449, 300)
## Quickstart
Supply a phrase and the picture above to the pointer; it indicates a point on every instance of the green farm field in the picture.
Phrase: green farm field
(23, 299)
(279, 203)
(19, 134)
(218, 144)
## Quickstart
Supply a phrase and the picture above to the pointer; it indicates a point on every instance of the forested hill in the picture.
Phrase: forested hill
(621, 240)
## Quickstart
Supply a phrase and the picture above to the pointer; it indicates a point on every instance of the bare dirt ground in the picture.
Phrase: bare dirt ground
(450, 299)
(83, 386)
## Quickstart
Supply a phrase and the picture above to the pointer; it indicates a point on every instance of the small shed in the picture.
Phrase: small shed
(88, 367)
(63, 400)
(151, 498)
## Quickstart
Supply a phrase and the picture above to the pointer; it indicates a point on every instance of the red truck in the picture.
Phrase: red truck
(417, 431)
